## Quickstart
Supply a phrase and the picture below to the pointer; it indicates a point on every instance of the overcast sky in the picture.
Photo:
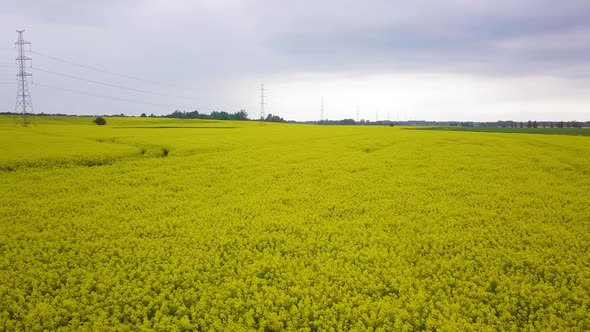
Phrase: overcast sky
(432, 60)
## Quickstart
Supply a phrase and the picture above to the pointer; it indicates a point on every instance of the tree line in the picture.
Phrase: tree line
(215, 115)
(241, 115)
(521, 124)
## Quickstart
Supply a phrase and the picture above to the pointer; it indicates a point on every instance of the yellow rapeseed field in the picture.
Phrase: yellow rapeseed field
(162, 224)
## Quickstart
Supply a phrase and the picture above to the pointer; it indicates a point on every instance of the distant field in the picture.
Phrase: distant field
(545, 131)
(164, 224)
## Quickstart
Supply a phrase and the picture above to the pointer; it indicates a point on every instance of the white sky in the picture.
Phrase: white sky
(429, 60)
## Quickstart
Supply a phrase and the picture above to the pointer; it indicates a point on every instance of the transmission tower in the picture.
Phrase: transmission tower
(23, 95)
(262, 103)
(322, 111)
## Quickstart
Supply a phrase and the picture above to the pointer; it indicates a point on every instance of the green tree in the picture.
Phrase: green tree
(219, 115)
(241, 115)
(273, 118)
(100, 121)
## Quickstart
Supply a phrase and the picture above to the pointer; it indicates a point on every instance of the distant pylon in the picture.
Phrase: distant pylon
(262, 103)
(322, 111)
(23, 95)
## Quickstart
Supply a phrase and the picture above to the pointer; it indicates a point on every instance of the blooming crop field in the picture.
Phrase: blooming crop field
(201, 225)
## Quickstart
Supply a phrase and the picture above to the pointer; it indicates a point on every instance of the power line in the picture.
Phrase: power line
(106, 71)
(109, 97)
(108, 84)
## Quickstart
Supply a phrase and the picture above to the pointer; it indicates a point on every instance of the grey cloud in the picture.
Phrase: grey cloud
(65, 12)
(194, 42)
(456, 37)
(228, 38)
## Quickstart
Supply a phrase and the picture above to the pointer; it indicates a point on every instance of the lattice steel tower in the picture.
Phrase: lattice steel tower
(322, 111)
(23, 95)
(262, 103)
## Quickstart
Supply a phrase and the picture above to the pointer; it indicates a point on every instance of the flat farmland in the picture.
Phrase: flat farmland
(162, 224)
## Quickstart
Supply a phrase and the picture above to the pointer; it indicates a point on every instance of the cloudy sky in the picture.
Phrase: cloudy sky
(433, 60)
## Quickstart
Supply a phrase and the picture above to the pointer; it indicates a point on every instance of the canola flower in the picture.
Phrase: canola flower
(244, 226)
